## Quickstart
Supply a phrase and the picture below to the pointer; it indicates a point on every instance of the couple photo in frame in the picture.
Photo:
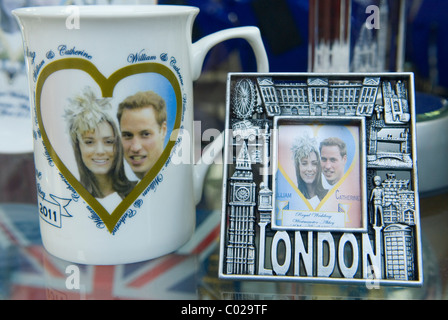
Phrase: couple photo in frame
(318, 174)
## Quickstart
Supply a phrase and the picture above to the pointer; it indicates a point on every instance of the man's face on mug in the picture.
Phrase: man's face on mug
(143, 138)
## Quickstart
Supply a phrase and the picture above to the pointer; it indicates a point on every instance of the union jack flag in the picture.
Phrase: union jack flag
(31, 273)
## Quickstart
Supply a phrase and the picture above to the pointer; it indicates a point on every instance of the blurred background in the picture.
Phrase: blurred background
(299, 36)
(284, 25)
(337, 36)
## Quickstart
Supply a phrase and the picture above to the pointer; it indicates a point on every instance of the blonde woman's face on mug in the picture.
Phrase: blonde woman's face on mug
(97, 148)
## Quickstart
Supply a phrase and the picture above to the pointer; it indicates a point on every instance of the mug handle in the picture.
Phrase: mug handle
(252, 34)
(199, 51)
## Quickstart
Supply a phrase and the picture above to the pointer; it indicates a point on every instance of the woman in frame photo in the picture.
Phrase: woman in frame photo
(308, 169)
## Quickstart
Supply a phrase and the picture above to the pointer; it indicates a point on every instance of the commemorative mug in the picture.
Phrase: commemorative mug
(112, 112)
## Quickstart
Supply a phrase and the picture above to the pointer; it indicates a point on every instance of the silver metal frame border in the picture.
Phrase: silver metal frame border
(326, 280)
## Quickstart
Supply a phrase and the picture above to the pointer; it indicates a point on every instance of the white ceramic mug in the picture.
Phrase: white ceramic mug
(109, 190)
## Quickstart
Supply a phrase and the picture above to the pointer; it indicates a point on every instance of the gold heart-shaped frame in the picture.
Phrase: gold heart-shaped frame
(107, 86)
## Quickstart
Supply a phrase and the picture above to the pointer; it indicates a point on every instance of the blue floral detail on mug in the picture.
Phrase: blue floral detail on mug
(75, 195)
(138, 203)
(40, 192)
(128, 214)
(131, 212)
(30, 54)
(50, 54)
(38, 174)
(153, 185)
(184, 105)
(96, 219)
(37, 69)
(164, 57)
(173, 63)
(174, 152)
(47, 156)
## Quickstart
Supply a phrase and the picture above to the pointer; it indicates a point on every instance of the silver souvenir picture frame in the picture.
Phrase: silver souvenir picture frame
(320, 179)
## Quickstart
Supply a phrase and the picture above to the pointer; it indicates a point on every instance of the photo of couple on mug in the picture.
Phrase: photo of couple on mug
(102, 145)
